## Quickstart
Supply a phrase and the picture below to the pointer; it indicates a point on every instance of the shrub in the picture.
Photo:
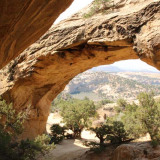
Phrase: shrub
(57, 133)
(97, 7)
(27, 149)
(44, 141)
(59, 100)
(11, 125)
(11, 121)
(103, 102)
(121, 105)
(96, 147)
(117, 132)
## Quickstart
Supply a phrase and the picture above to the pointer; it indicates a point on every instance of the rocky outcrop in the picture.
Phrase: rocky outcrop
(137, 151)
(129, 31)
(127, 152)
(23, 22)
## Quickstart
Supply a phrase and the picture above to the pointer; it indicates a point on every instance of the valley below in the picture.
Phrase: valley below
(113, 85)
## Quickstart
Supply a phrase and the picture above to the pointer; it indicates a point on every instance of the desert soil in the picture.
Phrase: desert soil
(67, 149)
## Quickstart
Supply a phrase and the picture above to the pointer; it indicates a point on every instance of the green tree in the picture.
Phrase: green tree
(133, 124)
(59, 100)
(77, 114)
(150, 115)
(101, 132)
(143, 118)
(112, 131)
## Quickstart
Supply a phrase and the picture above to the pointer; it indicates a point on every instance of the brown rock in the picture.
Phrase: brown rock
(23, 22)
(75, 45)
(127, 152)
(136, 151)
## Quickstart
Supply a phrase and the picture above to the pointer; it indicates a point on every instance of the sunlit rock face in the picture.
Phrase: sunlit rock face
(74, 45)
(23, 22)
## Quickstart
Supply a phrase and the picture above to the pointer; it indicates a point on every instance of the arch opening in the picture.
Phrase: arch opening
(121, 80)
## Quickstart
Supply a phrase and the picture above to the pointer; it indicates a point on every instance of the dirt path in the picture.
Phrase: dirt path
(67, 150)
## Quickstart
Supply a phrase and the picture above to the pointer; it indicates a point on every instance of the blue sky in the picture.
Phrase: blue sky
(130, 64)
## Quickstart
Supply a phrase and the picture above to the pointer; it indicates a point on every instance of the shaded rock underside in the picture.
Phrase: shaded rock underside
(23, 22)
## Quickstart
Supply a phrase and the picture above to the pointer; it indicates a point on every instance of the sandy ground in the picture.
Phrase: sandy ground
(68, 149)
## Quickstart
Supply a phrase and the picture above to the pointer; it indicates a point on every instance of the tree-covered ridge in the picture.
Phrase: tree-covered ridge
(110, 85)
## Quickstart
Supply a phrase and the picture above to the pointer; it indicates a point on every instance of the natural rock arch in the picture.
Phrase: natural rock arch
(75, 45)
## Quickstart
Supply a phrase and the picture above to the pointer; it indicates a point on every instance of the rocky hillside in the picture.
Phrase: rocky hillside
(112, 85)
(146, 78)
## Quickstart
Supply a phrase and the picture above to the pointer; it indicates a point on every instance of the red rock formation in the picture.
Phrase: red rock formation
(23, 22)
(75, 45)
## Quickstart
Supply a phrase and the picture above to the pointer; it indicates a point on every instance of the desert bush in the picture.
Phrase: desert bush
(98, 6)
(44, 142)
(117, 134)
(57, 133)
(95, 147)
(11, 121)
(58, 102)
(121, 105)
(103, 102)
(11, 126)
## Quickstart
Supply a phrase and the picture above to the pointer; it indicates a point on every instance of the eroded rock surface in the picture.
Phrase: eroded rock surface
(23, 22)
(137, 151)
(130, 31)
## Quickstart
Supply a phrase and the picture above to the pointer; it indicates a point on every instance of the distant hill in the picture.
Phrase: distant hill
(99, 85)
(109, 68)
(118, 68)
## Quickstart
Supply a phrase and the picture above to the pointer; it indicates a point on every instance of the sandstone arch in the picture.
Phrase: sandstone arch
(75, 45)
(23, 22)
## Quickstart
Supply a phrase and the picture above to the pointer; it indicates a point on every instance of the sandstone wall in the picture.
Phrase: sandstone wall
(22, 22)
